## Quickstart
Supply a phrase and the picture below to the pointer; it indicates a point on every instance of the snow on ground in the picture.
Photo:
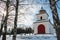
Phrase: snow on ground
(33, 37)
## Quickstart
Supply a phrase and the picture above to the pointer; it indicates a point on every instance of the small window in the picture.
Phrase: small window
(41, 17)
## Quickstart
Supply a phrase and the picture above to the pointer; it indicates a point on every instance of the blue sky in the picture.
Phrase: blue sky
(58, 3)
(48, 9)
(33, 8)
(28, 12)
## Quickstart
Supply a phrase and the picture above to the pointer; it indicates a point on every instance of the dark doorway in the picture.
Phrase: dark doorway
(41, 29)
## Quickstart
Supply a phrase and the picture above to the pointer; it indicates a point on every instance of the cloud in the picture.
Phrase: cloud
(26, 12)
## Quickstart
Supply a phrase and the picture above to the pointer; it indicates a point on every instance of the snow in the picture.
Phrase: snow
(33, 37)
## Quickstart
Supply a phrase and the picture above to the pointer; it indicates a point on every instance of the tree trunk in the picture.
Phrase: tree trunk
(5, 22)
(2, 23)
(15, 21)
(55, 17)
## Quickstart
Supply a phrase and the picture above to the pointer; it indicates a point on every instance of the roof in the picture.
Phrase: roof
(42, 11)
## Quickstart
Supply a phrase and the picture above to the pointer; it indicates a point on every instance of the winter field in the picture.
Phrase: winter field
(32, 37)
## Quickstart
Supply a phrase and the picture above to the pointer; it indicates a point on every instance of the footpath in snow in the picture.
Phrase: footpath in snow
(33, 37)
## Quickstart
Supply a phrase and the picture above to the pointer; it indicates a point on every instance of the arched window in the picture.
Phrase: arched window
(41, 17)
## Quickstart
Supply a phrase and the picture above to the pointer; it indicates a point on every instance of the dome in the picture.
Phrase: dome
(42, 11)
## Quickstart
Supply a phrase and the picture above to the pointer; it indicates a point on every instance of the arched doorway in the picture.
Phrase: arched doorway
(41, 29)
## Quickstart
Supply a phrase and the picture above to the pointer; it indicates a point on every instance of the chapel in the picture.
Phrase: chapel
(43, 24)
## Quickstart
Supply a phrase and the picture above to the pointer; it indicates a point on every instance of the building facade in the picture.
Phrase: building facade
(43, 24)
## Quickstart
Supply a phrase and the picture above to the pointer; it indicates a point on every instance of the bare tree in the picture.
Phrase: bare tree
(2, 23)
(55, 17)
(15, 21)
(5, 22)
